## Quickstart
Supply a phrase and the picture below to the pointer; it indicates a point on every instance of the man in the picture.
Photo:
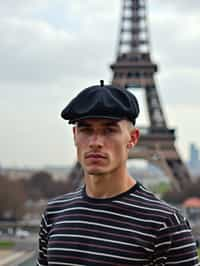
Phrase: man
(112, 220)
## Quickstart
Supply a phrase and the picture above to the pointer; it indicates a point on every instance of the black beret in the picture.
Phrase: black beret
(102, 101)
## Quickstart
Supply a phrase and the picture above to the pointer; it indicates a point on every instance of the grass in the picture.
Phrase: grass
(4, 244)
(160, 188)
(199, 252)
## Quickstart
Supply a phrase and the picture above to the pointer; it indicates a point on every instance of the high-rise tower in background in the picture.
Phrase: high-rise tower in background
(133, 70)
(194, 156)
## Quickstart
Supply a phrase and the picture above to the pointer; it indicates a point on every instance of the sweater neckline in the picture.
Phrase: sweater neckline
(109, 199)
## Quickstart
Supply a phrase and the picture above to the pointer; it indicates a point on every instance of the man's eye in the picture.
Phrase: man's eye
(110, 130)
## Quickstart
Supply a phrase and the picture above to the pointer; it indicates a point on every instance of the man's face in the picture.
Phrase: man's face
(103, 144)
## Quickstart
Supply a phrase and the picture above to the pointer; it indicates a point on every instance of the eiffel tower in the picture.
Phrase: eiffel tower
(132, 70)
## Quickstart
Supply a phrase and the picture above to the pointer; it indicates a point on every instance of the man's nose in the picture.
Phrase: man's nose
(96, 140)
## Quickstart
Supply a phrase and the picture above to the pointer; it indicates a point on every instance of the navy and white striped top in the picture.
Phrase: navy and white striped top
(133, 228)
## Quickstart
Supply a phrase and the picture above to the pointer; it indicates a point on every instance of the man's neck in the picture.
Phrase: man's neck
(107, 186)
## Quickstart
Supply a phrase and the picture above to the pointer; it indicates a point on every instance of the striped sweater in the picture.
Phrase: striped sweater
(133, 228)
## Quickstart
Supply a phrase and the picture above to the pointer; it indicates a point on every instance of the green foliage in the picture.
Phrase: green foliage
(41, 185)
(5, 244)
(161, 188)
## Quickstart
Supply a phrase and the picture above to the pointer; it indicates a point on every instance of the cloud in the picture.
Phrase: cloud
(30, 51)
(12, 8)
(35, 51)
(50, 50)
(175, 40)
(184, 6)
(184, 119)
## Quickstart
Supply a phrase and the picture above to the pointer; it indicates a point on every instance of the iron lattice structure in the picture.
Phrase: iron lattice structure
(134, 69)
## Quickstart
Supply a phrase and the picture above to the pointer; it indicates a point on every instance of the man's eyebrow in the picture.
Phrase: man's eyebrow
(83, 124)
(111, 123)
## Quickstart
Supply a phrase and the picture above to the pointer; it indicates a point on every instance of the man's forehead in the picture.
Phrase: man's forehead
(98, 121)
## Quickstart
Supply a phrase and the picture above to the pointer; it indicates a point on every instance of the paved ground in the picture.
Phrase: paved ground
(14, 258)
(4, 254)
(24, 249)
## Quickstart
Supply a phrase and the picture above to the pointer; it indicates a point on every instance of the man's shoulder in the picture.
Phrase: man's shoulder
(57, 206)
(149, 197)
(63, 199)
(169, 213)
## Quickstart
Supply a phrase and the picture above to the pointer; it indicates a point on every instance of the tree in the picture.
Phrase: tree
(12, 198)
(192, 190)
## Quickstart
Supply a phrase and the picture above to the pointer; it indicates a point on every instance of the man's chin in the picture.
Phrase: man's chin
(95, 171)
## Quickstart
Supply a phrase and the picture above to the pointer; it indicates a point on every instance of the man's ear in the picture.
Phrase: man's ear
(74, 134)
(135, 134)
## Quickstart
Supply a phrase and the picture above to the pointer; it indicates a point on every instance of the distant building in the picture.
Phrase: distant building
(194, 160)
(57, 173)
(18, 173)
(148, 175)
(194, 155)
(192, 210)
(0, 170)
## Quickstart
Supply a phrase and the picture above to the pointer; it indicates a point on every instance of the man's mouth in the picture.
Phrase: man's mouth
(94, 155)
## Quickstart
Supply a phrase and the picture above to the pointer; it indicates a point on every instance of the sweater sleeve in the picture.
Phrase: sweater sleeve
(175, 244)
(43, 242)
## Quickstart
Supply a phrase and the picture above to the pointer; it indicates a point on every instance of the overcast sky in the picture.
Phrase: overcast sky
(51, 49)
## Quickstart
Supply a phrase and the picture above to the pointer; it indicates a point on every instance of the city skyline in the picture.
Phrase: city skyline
(50, 50)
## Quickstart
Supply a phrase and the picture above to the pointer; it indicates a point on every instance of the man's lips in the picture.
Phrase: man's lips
(95, 156)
